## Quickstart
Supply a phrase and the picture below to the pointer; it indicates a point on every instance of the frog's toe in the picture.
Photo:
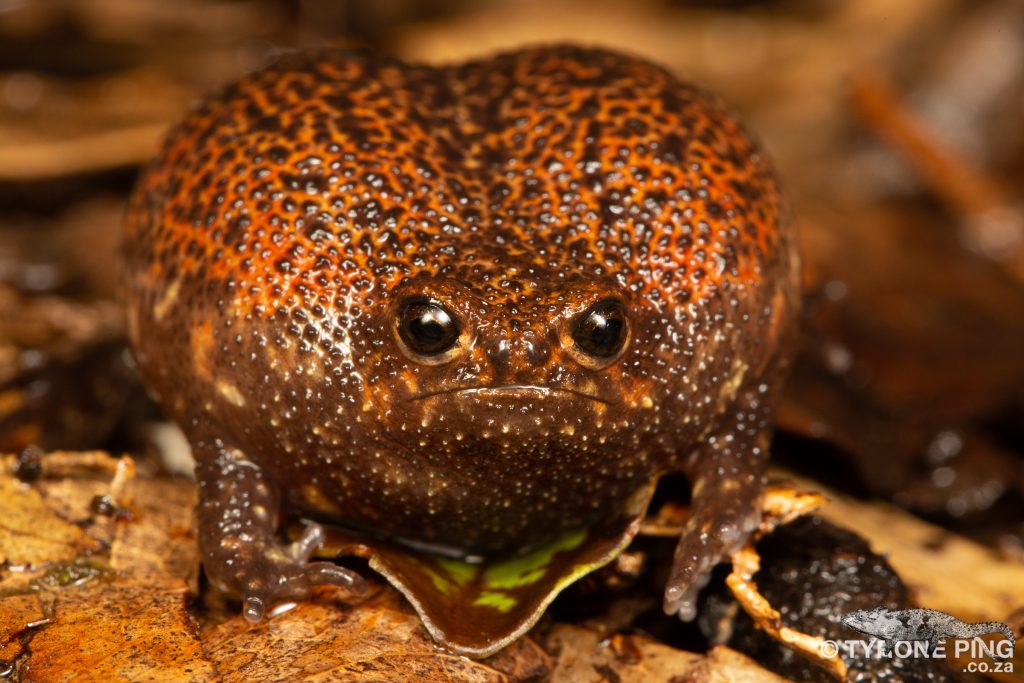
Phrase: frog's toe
(324, 573)
(330, 574)
(294, 581)
(253, 607)
(691, 571)
(704, 544)
(312, 538)
(275, 573)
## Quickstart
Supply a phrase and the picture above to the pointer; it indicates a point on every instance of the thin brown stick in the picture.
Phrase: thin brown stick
(994, 224)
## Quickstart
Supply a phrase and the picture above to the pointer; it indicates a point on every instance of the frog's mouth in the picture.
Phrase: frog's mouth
(509, 389)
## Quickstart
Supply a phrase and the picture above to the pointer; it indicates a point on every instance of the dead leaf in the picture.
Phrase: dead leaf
(159, 539)
(381, 640)
(124, 621)
(947, 572)
(121, 631)
(582, 657)
(17, 612)
(31, 533)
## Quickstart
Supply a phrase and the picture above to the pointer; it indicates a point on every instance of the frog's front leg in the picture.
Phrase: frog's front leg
(727, 478)
(239, 512)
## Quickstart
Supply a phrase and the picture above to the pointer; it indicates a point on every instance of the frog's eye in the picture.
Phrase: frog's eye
(427, 328)
(601, 331)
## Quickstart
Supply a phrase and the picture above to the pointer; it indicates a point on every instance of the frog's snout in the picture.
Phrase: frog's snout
(509, 353)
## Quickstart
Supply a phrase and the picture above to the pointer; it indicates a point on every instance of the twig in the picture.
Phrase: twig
(993, 224)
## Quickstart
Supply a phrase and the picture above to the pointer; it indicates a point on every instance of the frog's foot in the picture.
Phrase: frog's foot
(282, 572)
(726, 512)
(242, 555)
(269, 573)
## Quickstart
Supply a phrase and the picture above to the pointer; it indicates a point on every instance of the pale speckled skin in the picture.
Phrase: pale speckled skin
(272, 243)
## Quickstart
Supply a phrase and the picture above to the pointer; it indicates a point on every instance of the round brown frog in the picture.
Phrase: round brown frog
(466, 308)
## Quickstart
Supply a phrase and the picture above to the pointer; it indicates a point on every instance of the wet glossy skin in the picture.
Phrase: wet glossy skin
(277, 242)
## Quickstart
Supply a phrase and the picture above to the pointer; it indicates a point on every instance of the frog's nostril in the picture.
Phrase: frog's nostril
(536, 351)
(518, 351)
(499, 351)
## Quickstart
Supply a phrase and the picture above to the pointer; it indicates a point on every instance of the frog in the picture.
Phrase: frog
(465, 309)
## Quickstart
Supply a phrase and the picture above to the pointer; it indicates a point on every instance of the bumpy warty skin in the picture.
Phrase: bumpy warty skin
(273, 242)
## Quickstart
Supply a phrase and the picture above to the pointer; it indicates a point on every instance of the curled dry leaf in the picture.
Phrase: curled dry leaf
(478, 608)
(782, 504)
(746, 563)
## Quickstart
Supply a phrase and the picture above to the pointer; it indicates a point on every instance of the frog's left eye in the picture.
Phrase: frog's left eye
(600, 332)
(427, 328)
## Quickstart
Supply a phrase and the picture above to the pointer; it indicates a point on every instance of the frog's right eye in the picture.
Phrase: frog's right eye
(427, 328)
(597, 337)
(601, 331)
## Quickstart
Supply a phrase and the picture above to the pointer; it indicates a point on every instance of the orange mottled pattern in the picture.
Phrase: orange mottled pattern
(272, 243)
(547, 160)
